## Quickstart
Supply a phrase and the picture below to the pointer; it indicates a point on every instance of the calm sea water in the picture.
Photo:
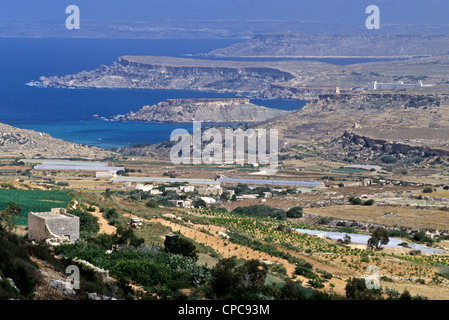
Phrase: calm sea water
(67, 114)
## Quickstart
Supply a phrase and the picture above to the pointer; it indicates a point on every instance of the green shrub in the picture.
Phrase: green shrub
(111, 215)
(15, 263)
(355, 201)
(369, 202)
(324, 220)
(233, 280)
(181, 245)
(427, 190)
(88, 223)
(260, 210)
(152, 204)
(356, 289)
(325, 274)
(295, 212)
(388, 159)
(399, 233)
(305, 272)
(316, 283)
(422, 237)
(144, 272)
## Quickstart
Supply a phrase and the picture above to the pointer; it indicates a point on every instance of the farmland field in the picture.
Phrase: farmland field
(33, 200)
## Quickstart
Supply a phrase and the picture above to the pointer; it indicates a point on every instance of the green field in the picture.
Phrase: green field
(350, 170)
(33, 200)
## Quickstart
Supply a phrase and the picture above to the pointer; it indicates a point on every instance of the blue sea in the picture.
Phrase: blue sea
(68, 113)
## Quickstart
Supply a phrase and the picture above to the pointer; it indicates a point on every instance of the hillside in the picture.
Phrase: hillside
(288, 79)
(373, 123)
(15, 142)
(205, 110)
(325, 45)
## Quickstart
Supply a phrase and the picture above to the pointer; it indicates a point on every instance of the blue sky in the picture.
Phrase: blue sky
(351, 11)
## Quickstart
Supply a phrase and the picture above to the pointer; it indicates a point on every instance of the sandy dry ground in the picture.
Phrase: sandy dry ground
(105, 227)
(387, 215)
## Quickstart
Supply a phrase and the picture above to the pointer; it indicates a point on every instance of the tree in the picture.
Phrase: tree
(223, 277)
(152, 203)
(225, 196)
(181, 245)
(356, 289)
(379, 237)
(199, 203)
(355, 201)
(7, 216)
(88, 223)
(346, 240)
(405, 295)
(233, 280)
(253, 274)
(126, 236)
(295, 212)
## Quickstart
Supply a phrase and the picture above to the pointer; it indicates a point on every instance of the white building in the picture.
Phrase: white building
(208, 200)
(247, 196)
(144, 187)
(106, 174)
(395, 86)
(53, 225)
(182, 203)
(187, 188)
(213, 189)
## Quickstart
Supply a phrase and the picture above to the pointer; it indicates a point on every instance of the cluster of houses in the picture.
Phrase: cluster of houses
(210, 194)
(187, 194)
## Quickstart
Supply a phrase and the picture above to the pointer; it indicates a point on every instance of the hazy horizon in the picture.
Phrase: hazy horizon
(327, 11)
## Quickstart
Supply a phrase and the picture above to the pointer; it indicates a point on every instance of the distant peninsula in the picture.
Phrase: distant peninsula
(204, 110)
(298, 45)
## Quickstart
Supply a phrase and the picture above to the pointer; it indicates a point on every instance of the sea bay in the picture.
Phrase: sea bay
(68, 114)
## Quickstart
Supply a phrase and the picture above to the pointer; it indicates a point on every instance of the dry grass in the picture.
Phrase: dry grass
(438, 194)
(387, 215)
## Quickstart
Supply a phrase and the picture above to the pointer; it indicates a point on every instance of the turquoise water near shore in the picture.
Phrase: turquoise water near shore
(68, 114)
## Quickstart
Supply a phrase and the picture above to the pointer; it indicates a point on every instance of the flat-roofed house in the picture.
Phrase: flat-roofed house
(54, 224)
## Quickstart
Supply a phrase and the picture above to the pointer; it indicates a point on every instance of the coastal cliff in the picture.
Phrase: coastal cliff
(325, 45)
(205, 110)
(272, 79)
(135, 72)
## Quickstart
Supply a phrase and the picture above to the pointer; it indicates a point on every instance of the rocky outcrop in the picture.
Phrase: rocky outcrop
(15, 142)
(175, 73)
(204, 110)
(390, 147)
(419, 121)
